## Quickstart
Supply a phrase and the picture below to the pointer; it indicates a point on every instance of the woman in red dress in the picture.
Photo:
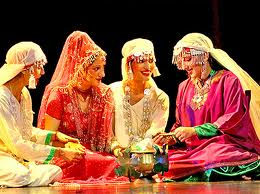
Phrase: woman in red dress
(78, 104)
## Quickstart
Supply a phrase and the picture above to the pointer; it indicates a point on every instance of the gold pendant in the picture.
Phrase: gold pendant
(197, 99)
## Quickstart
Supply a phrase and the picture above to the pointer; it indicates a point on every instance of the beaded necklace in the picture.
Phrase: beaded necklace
(137, 135)
(201, 93)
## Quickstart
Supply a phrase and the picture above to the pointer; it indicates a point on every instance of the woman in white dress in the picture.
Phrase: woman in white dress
(26, 151)
(141, 108)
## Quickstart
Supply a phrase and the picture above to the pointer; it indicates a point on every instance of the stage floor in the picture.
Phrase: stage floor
(245, 187)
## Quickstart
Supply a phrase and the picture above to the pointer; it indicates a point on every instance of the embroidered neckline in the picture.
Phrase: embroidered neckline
(137, 135)
(201, 93)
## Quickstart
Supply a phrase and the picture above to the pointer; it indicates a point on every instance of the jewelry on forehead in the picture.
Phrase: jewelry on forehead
(38, 64)
(140, 57)
(90, 59)
(191, 55)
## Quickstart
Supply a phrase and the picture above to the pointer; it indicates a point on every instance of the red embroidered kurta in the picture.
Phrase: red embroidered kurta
(93, 127)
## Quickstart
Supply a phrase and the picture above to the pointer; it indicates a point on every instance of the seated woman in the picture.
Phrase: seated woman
(215, 134)
(141, 108)
(78, 104)
(26, 151)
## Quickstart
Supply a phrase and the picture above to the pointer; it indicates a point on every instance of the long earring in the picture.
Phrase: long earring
(156, 72)
(203, 66)
(32, 82)
(130, 72)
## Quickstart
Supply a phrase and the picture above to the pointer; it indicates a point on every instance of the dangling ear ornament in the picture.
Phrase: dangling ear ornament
(32, 81)
(130, 72)
(156, 72)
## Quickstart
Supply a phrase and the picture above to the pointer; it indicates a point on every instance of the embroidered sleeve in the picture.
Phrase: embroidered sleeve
(13, 139)
(42, 136)
(160, 114)
(50, 156)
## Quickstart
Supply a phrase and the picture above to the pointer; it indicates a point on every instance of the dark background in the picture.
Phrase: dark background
(230, 24)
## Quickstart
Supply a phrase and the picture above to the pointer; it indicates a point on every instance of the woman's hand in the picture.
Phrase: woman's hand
(69, 154)
(159, 139)
(75, 146)
(164, 138)
(118, 152)
(65, 138)
(183, 133)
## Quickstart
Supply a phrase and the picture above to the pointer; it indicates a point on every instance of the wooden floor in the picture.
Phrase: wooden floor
(243, 187)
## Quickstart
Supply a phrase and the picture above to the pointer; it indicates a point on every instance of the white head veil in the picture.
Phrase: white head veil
(201, 42)
(135, 46)
(20, 57)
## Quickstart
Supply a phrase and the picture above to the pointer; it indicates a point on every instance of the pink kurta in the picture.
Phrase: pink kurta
(227, 107)
(93, 128)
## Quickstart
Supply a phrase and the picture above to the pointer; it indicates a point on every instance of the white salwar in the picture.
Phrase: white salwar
(22, 145)
(159, 110)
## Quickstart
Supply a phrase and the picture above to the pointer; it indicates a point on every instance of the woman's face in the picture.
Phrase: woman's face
(38, 71)
(194, 71)
(94, 74)
(142, 69)
(187, 62)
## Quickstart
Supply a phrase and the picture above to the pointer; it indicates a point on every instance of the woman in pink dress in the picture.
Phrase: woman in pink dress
(216, 134)
(78, 104)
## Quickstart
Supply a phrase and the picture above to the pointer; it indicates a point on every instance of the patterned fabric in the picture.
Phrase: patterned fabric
(78, 52)
(95, 167)
(22, 146)
(159, 110)
(227, 108)
(17, 135)
(93, 128)
(226, 173)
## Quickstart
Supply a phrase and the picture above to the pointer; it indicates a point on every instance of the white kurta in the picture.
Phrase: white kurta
(20, 141)
(159, 110)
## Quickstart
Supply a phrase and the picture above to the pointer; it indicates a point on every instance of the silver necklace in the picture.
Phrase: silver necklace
(137, 134)
(201, 93)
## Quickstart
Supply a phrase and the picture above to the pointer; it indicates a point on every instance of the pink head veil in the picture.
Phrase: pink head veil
(79, 50)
